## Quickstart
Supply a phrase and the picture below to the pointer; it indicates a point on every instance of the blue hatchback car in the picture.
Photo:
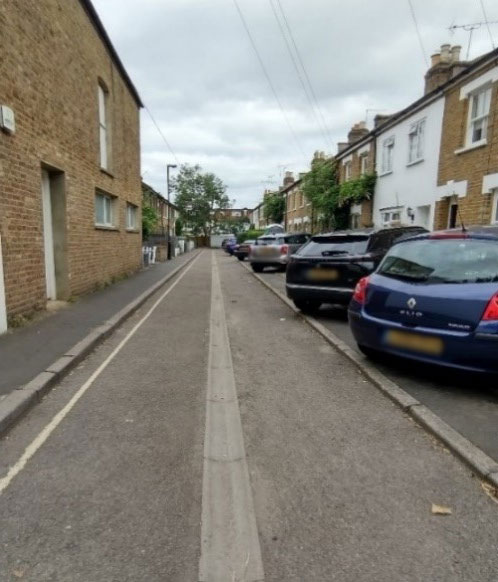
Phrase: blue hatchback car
(434, 298)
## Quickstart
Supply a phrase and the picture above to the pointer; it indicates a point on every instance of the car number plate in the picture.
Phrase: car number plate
(323, 274)
(415, 342)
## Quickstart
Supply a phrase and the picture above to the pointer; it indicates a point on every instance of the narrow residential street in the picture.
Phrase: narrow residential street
(216, 437)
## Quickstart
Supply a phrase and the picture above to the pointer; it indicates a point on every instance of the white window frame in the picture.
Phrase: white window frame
(108, 208)
(475, 118)
(302, 199)
(416, 139)
(103, 127)
(348, 170)
(363, 164)
(387, 155)
(494, 215)
(388, 216)
(131, 216)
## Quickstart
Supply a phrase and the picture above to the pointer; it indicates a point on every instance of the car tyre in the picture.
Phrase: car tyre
(307, 306)
(241, 258)
(257, 268)
(369, 352)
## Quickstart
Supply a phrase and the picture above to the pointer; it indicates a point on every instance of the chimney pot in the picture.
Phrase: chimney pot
(445, 53)
(435, 59)
(455, 53)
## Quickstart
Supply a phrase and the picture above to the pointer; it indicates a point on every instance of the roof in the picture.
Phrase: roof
(99, 27)
(149, 190)
(436, 93)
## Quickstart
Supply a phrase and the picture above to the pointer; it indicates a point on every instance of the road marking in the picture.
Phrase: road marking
(40, 439)
(230, 550)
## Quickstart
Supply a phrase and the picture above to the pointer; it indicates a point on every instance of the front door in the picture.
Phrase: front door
(48, 236)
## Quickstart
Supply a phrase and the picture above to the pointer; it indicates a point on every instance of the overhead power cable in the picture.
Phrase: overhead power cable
(418, 33)
(487, 24)
(298, 72)
(161, 134)
(310, 86)
(265, 72)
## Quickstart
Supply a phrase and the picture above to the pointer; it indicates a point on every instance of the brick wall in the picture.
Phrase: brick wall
(52, 61)
(470, 165)
(297, 209)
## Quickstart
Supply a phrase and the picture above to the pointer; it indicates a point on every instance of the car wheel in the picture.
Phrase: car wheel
(307, 305)
(240, 257)
(257, 268)
(369, 352)
(282, 268)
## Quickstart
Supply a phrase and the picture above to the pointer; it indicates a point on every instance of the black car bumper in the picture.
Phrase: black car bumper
(334, 295)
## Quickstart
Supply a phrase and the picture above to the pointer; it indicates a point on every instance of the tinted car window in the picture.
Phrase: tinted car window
(296, 239)
(267, 240)
(443, 261)
(335, 245)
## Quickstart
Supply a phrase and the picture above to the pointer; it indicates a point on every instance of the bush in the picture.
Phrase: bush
(249, 235)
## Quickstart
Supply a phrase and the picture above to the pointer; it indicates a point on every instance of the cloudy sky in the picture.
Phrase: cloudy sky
(196, 70)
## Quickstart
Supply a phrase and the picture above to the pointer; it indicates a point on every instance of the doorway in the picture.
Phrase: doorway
(453, 215)
(54, 234)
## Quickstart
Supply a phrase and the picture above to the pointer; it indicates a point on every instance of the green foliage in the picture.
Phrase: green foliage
(355, 191)
(274, 207)
(197, 195)
(249, 235)
(178, 227)
(321, 187)
(149, 220)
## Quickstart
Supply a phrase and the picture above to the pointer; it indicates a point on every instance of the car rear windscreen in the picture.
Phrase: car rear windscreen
(324, 246)
(443, 261)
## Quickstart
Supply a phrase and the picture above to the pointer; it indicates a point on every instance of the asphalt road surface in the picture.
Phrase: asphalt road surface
(216, 437)
(467, 402)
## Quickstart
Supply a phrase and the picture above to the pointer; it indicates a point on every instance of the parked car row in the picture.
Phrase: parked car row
(429, 297)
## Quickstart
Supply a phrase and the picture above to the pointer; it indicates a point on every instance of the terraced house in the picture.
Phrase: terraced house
(70, 195)
(298, 212)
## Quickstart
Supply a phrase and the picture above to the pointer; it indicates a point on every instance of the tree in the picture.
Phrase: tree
(149, 221)
(198, 194)
(274, 207)
(178, 227)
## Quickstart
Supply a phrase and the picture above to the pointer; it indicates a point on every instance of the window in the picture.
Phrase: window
(387, 155)
(294, 199)
(363, 164)
(416, 141)
(103, 128)
(104, 215)
(391, 216)
(494, 217)
(355, 221)
(478, 116)
(347, 170)
(302, 199)
(131, 217)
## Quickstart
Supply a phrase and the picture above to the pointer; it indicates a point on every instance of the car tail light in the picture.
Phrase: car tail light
(491, 313)
(284, 249)
(360, 292)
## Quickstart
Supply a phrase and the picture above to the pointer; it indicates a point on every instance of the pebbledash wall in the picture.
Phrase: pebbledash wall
(55, 56)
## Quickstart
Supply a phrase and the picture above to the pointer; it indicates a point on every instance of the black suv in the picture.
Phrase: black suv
(327, 268)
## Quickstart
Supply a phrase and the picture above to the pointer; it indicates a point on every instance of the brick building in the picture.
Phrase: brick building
(298, 212)
(70, 205)
(167, 215)
(468, 161)
(355, 158)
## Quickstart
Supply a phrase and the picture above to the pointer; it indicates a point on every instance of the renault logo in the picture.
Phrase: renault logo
(411, 303)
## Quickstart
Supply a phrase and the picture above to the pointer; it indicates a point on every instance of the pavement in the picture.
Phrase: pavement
(112, 475)
(466, 402)
(28, 351)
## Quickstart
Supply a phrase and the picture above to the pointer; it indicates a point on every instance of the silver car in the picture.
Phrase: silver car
(274, 250)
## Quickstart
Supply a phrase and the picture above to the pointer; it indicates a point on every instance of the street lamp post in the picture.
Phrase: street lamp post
(168, 240)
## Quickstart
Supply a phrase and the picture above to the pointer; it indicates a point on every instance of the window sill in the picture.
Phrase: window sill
(474, 146)
(385, 173)
(133, 230)
(104, 227)
(415, 162)
(106, 172)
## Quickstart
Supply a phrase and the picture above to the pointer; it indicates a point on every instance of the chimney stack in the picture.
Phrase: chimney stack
(341, 146)
(357, 132)
(444, 65)
(288, 179)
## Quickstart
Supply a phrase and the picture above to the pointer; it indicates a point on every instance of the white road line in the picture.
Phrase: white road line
(40, 439)
(230, 550)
